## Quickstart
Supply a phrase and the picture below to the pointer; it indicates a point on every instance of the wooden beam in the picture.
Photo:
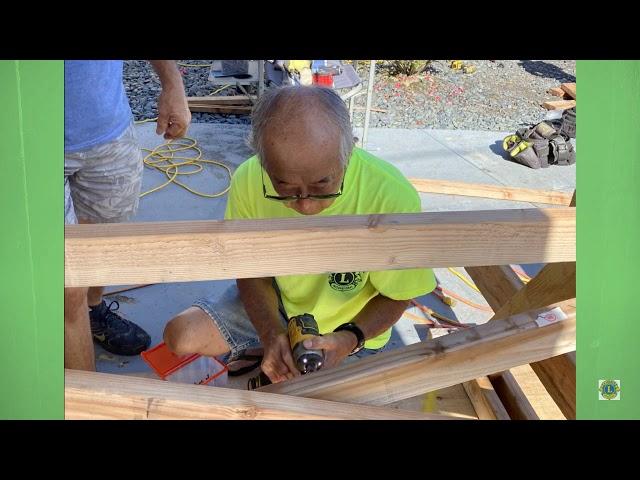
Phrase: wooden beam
(559, 104)
(498, 284)
(516, 404)
(558, 375)
(131, 253)
(226, 110)
(91, 395)
(556, 92)
(226, 100)
(501, 286)
(544, 405)
(479, 391)
(451, 401)
(434, 364)
(379, 110)
(569, 89)
(554, 283)
(498, 192)
(485, 400)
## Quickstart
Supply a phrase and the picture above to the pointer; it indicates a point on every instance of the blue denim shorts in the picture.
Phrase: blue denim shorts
(229, 316)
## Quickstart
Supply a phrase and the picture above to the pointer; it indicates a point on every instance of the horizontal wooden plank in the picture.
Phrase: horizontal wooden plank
(154, 252)
(223, 109)
(434, 364)
(91, 395)
(559, 104)
(220, 100)
(498, 192)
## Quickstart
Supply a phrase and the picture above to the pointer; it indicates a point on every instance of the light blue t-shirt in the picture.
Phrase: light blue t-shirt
(96, 108)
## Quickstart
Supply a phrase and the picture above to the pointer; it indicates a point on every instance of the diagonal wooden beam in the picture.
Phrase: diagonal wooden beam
(131, 253)
(91, 395)
(438, 363)
(485, 400)
(497, 283)
(558, 375)
(554, 283)
(504, 290)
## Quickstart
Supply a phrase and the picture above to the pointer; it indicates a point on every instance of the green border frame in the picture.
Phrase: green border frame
(32, 240)
(32, 246)
(608, 234)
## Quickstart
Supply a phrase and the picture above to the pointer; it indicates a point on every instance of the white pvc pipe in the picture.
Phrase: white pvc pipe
(367, 110)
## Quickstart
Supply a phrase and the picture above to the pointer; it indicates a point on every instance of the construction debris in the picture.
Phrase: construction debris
(568, 93)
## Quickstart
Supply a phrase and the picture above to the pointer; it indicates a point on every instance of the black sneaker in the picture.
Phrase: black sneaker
(116, 334)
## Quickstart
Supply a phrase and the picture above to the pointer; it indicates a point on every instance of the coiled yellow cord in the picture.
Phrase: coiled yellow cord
(163, 159)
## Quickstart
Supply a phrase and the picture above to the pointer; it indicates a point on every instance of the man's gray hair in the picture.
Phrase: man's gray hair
(277, 101)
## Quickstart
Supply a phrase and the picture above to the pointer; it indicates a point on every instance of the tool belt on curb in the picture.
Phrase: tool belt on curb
(540, 146)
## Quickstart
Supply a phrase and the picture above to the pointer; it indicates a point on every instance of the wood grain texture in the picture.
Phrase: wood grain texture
(501, 286)
(559, 104)
(498, 192)
(554, 283)
(569, 89)
(556, 92)
(155, 252)
(434, 364)
(485, 400)
(91, 395)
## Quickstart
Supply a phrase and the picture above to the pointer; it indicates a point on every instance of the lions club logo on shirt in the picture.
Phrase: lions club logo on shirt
(344, 282)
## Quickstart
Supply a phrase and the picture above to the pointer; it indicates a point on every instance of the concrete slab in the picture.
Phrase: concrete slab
(451, 155)
(484, 151)
(222, 143)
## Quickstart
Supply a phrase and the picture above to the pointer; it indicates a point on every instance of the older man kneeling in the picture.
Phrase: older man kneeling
(306, 164)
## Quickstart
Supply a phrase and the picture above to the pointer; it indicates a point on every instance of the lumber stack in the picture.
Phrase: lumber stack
(565, 97)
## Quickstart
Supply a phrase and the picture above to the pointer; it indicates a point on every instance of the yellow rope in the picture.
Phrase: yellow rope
(464, 279)
(525, 280)
(220, 89)
(163, 159)
(146, 120)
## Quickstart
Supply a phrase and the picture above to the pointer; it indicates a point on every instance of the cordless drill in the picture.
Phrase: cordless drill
(299, 328)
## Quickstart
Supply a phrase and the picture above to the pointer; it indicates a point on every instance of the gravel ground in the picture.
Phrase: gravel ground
(500, 95)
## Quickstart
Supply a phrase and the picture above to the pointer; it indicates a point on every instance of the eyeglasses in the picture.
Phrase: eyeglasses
(291, 198)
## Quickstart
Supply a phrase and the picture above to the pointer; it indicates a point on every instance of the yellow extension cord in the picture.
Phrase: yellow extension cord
(473, 285)
(163, 159)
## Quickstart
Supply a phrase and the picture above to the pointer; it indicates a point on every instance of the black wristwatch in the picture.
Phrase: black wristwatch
(353, 328)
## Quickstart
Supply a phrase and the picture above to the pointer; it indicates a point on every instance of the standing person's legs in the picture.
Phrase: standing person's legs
(105, 186)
